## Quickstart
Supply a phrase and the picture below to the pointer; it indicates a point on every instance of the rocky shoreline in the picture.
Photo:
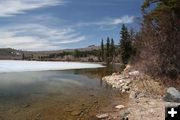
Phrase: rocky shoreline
(143, 103)
(122, 82)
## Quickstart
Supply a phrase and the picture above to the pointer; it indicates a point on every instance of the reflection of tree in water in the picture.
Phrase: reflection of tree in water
(99, 72)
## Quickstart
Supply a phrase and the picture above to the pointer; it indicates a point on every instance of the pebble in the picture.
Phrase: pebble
(68, 109)
(38, 116)
(127, 88)
(124, 114)
(102, 116)
(26, 105)
(119, 106)
(134, 73)
(132, 95)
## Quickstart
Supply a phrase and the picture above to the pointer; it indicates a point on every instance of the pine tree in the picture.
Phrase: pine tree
(23, 56)
(102, 50)
(107, 50)
(76, 53)
(112, 49)
(125, 45)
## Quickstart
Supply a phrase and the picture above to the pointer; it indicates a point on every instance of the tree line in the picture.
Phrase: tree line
(107, 52)
(123, 51)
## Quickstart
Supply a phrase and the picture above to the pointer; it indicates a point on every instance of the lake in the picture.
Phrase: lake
(56, 94)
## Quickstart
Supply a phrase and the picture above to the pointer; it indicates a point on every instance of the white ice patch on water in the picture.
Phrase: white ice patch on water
(20, 66)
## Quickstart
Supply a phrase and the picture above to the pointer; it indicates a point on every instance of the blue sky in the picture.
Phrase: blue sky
(61, 24)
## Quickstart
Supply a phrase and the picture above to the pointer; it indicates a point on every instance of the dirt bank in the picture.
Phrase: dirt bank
(145, 97)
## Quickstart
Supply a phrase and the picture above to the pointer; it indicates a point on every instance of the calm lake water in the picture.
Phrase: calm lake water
(56, 95)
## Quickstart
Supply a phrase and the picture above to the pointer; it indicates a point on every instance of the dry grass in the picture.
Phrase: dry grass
(166, 82)
(150, 86)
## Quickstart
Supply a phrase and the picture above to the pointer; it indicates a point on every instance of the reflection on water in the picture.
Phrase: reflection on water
(27, 83)
(100, 72)
(53, 94)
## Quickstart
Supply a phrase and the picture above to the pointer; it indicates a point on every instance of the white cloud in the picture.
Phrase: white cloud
(124, 19)
(109, 22)
(116, 21)
(37, 37)
(13, 7)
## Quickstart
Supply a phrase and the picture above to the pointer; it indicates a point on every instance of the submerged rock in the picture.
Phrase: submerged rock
(38, 116)
(172, 95)
(26, 105)
(76, 113)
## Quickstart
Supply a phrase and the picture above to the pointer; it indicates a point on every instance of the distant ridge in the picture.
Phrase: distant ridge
(13, 54)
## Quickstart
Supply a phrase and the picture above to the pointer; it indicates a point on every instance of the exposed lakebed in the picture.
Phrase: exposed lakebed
(56, 95)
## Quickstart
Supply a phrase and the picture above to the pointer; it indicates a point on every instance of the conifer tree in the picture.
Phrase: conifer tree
(112, 49)
(125, 45)
(107, 50)
(23, 56)
(102, 50)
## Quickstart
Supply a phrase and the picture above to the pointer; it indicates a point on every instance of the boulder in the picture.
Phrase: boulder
(172, 95)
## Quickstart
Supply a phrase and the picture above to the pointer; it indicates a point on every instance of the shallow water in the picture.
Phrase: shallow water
(55, 95)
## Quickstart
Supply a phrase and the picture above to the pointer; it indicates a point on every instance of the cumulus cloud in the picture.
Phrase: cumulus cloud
(13, 7)
(37, 37)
